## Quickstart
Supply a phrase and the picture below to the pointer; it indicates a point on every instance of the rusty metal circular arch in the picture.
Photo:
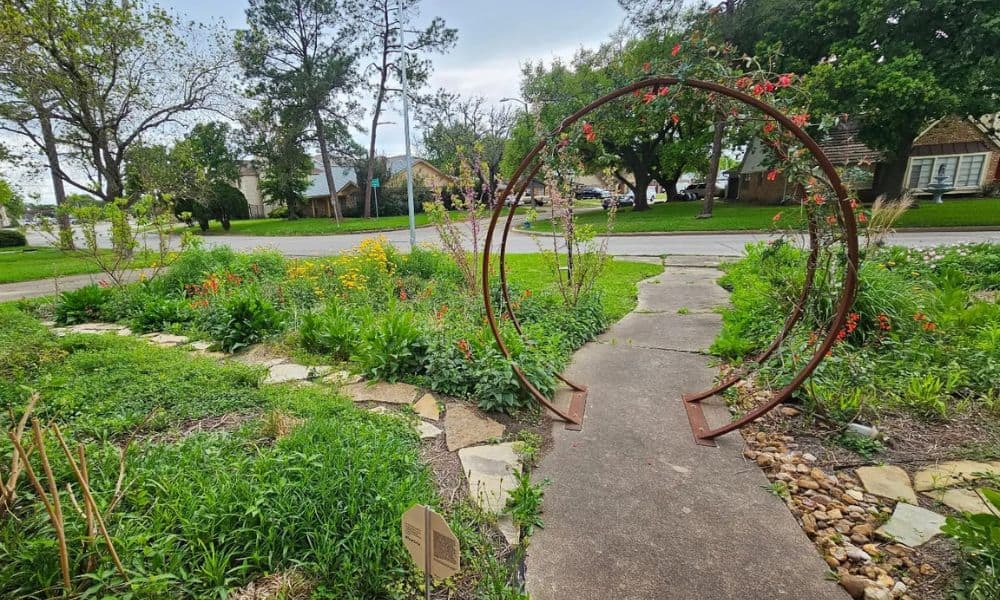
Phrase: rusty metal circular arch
(703, 434)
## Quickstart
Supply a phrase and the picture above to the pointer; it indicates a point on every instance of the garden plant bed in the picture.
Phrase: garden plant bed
(893, 427)
(271, 413)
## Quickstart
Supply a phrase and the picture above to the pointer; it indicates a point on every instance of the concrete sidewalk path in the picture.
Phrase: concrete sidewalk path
(635, 509)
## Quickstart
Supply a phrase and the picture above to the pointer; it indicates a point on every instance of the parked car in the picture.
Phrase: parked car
(696, 190)
(539, 201)
(593, 193)
(626, 200)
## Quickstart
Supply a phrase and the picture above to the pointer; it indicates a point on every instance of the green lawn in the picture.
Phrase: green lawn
(26, 264)
(314, 226)
(680, 216)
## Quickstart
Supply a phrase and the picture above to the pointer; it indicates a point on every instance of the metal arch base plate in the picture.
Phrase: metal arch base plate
(577, 406)
(699, 425)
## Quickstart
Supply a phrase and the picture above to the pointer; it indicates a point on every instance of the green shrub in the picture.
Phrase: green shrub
(978, 536)
(430, 265)
(333, 332)
(81, 306)
(161, 314)
(243, 319)
(26, 348)
(280, 212)
(194, 265)
(12, 238)
(392, 346)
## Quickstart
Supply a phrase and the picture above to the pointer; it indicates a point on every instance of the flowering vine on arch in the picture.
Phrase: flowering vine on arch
(755, 104)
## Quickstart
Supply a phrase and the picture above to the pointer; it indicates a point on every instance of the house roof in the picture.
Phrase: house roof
(397, 164)
(342, 176)
(840, 144)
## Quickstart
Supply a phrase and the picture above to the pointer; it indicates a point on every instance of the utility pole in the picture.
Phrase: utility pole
(406, 127)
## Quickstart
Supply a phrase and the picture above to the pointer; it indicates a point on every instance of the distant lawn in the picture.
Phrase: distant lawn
(313, 226)
(680, 216)
(26, 264)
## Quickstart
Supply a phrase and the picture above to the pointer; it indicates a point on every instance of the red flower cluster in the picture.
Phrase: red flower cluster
(675, 118)
(403, 295)
(648, 98)
(588, 132)
(676, 49)
(785, 80)
(776, 218)
(800, 119)
(862, 218)
(646, 67)
(772, 175)
(883, 323)
(441, 312)
(928, 324)
(664, 90)
(464, 347)
(743, 83)
(831, 219)
(852, 324)
(768, 127)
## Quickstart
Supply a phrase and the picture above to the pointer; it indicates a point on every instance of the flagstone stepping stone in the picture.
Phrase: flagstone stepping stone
(464, 426)
(342, 378)
(490, 472)
(962, 500)
(426, 430)
(911, 525)
(427, 407)
(96, 328)
(950, 473)
(200, 345)
(166, 339)
(888, 481)
(285, 372)
(385, 393)
(511, 532)
(260, 355)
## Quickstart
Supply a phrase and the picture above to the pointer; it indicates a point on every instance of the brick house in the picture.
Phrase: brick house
(861, 167)
(966, 150)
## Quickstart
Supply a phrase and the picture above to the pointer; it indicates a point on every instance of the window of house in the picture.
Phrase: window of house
(963, 170)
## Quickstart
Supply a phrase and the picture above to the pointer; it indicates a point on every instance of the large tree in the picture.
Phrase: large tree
(379, 23)
(297, 52)
(469, 129)
(197, 172)
(655, 134)
(88, 79)
(891, 65)
(275, 136)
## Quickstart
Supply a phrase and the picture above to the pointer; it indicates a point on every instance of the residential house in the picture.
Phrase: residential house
(861, 167)
(966, 151)
(349, 193)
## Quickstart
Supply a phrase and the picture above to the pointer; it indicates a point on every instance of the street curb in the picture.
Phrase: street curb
(756, 231)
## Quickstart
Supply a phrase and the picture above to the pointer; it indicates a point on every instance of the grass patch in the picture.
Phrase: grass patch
(314, 226)
(27, 264)
(680, 217)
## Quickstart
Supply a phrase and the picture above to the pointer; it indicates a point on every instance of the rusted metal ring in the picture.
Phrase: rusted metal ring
(847, 222)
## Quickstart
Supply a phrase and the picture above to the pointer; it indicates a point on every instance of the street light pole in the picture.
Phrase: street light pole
(406, 127)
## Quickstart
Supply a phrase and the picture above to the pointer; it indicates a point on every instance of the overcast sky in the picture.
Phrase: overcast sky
(494, 38)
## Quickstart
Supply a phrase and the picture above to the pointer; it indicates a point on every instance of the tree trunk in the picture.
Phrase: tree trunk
(327, 167)
(58, 188)
(890, 180)
(642, 180)
(713, 167)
